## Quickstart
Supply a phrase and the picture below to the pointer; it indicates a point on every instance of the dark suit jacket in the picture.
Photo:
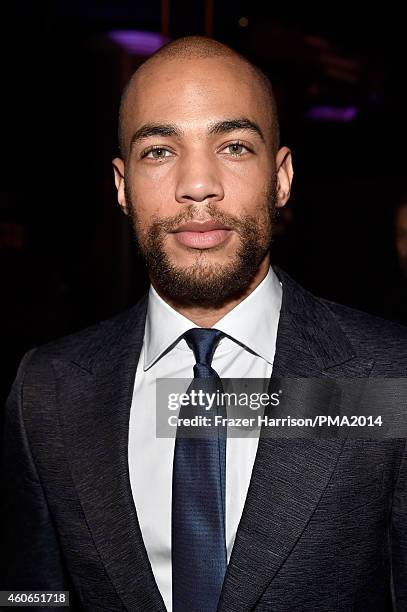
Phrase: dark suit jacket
(324, 527)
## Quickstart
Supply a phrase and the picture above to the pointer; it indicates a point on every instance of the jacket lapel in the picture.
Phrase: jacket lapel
(289, 475)
(95, 422)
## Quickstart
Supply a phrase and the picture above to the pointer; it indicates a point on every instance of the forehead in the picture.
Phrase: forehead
(194, 93)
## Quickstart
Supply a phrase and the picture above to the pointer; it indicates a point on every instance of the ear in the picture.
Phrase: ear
(118, 169)
(285, 174)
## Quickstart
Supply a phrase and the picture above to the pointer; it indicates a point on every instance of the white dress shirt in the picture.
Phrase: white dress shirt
(253, 326)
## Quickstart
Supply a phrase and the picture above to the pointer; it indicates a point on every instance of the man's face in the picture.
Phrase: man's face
(200, 180)
(401, 237)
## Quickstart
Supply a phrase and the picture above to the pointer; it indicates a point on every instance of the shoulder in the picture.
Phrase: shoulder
(368, 332)
(336, 331)
(93, 342)
(372, 337)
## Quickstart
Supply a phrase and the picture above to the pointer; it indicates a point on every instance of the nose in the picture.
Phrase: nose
(198, 180)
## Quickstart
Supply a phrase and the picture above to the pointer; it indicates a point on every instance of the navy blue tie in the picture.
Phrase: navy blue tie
(198, 547)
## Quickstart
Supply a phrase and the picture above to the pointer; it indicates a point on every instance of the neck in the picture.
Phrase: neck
(206, 316)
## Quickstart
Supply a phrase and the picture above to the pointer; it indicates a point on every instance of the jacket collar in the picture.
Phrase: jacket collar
(310, 340)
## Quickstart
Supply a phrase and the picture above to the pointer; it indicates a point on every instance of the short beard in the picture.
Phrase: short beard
(202, 283)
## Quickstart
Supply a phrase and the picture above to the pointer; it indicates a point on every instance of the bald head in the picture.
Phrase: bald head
(188, 49)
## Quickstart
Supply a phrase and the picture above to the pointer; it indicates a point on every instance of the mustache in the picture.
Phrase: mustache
(208, 213)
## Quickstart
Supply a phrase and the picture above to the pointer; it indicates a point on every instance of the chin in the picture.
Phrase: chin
(185, 256)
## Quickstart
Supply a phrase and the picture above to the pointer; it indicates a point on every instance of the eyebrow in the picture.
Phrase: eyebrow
(220, 127)
(154, 129)
(230, 125)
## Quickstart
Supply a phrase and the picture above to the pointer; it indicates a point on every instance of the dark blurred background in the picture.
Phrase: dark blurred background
(67, 255)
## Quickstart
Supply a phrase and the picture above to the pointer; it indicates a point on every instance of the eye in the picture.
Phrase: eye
(236, 149)
(157, 153)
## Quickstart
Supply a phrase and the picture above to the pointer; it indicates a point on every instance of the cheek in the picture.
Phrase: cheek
(248, 199)
(247, 185)
(150, 201)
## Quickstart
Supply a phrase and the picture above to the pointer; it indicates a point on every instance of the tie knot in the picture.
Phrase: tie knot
(203, 342)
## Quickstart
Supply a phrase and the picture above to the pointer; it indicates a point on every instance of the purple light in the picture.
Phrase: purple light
(137, 42)
(343, 114)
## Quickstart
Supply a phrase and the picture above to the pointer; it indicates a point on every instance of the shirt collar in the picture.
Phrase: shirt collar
(252, 323)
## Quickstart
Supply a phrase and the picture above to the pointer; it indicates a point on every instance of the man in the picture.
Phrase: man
(95, 502)
(394, 298)
(395, 302)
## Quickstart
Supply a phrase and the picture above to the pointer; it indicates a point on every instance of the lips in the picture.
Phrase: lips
(202, 235)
